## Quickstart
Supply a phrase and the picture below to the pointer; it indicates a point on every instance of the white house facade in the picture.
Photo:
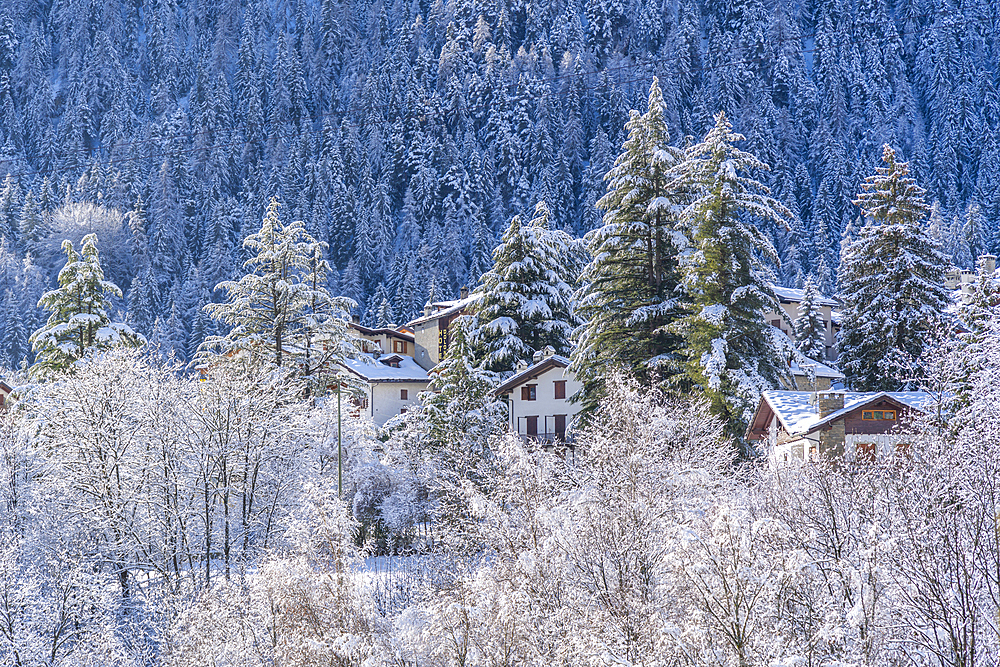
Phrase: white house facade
(391, 383)
(789, 299)
(537, 397)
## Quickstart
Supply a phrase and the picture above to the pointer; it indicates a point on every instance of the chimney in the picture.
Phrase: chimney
(987, 264)
(829, 402)
(428, 307)
(463, 292)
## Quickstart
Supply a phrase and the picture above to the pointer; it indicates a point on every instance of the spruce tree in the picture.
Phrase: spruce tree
(892, 282)
(731, 353)
(629, 293)
(526, 295)
(810, 330)
(79, 320)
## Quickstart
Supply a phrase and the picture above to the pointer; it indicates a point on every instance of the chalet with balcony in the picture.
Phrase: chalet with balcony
(385, 340)
(537, 396)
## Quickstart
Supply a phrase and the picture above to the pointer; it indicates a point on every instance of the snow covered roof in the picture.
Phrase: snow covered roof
(531, 372)
(797, 413)
(445, 309)
(820, 370)
(792, 295)
(384, 331)
(374, 370)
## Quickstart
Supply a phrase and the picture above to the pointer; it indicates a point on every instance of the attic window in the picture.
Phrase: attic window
(878, 415)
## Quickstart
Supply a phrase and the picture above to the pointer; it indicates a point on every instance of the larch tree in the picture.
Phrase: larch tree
(629, 289)
(892, 282)
(810, 329)
(526, 295)
(731, 353)
(79, 319)
(280, 308)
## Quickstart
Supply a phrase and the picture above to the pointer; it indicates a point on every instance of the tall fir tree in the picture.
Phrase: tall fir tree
(731, 353)
(892, 282)
(279, 310)
(629, 294)
(525, 303)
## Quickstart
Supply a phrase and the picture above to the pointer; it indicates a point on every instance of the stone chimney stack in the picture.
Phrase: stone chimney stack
(463, 292)
(987, 264)
(428, 308)
(828, 402)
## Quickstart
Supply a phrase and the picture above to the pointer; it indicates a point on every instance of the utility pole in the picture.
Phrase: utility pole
(340, 456)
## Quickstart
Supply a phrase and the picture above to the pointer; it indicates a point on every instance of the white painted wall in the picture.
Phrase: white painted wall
(791, 311)
(384, 400)
(546, 405)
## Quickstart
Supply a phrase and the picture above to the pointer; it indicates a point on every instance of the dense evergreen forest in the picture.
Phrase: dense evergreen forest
(406, 135)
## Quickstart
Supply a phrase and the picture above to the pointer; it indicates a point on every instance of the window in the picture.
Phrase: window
(878, 415)
(865, 452)
(560, 388)
(404, 394)
(904, 449)
(402, 411)
(399, 346)
(531, 425)
(529, 392)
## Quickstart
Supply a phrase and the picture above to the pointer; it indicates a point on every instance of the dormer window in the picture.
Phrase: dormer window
(392, 360)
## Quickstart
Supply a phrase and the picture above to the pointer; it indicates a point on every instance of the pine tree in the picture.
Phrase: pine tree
(629, 292)
(892, 282)
(526, 295)
(731, 353)
(810, 329)
(79, 319)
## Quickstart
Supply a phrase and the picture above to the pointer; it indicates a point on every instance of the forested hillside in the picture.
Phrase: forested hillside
(406, 135)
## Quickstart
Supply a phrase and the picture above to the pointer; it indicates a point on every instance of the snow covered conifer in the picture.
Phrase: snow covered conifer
(79, 319)
(732, 355)
(892, 282)
(810, 330)
(526, 295)
(280, 309)
(629, 290)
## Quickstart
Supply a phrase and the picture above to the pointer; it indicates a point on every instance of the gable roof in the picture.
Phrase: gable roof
(384, 331)
(531, 372)
(796, 411)
(821, 370)
(792, 295)
(372, 370)
(446, 309)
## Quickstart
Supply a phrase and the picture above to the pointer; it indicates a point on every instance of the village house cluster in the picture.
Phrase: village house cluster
(816, 418)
